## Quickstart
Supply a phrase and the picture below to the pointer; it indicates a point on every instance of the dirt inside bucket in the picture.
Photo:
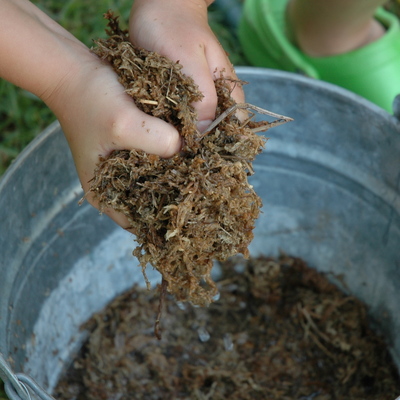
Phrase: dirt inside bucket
(197, 206)
(280, 330)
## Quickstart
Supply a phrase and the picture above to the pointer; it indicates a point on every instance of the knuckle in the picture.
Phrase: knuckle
(120, 126)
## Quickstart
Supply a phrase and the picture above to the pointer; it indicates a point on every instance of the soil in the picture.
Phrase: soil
(197, 206)
(280, 330)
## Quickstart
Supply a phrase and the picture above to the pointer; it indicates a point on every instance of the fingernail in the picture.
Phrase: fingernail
(203, 125)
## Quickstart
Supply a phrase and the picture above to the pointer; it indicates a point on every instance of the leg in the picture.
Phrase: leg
(330, 27)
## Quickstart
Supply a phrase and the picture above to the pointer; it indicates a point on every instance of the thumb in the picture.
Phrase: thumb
(134, 129)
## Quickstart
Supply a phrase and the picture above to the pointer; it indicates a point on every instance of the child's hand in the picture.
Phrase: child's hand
(97, 116)
(178, 29)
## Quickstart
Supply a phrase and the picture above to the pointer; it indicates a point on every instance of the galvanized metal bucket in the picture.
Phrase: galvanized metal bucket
(330, 187)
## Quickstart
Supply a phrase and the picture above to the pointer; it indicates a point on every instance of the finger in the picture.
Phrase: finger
(195, 65)
(204, 66)
(118, 218)
(222, 65)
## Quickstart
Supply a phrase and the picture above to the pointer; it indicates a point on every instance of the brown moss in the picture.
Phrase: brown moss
(197, 206)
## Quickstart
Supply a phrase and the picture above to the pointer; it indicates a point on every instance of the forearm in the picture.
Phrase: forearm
(36, 53)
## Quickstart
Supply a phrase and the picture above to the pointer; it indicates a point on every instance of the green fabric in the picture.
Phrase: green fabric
(372, 71)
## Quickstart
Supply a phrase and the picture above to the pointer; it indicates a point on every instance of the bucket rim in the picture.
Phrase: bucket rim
(321, 85)
(27, 151)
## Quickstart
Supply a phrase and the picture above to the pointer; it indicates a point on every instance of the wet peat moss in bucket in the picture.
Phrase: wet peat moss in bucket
(280, 330)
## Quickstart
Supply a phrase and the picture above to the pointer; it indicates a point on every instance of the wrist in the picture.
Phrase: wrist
(66, 76)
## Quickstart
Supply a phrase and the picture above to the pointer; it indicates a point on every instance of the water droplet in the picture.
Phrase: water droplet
(204, 336)
(216, 297)
(232, 287)
(228, 344)
(240, 267)
(181, 305)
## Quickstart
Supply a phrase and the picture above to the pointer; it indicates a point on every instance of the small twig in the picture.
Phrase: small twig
(280, 119)
(210, 394)
(321, 346)
(309, 323)
(157, 330)
(313, 325)
(172, 101)
(247, 120)
(169, 81)
(152, 102)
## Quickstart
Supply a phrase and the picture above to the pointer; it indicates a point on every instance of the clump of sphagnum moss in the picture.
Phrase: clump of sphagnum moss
(192, 208)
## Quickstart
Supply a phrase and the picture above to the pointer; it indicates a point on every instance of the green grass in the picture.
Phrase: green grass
(22, 115)
(2, 393)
